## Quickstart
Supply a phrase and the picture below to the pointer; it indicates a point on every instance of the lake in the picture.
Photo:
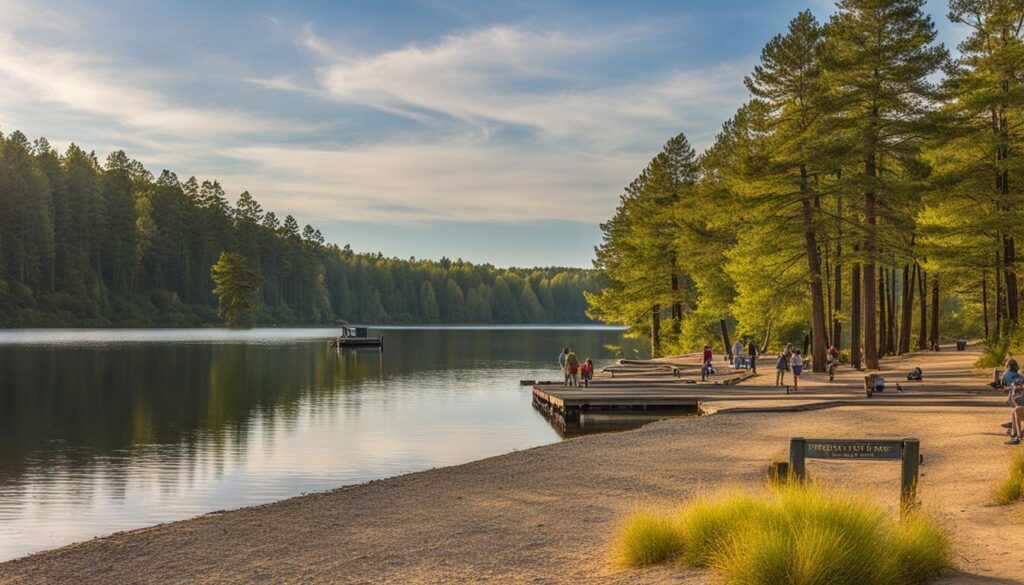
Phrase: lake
(109, 430)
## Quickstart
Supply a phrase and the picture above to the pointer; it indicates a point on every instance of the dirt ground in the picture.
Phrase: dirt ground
(547, 515)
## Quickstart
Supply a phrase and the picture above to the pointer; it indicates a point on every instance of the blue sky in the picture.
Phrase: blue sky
(498, 132)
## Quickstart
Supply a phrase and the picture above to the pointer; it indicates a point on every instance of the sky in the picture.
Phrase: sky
(500, 132)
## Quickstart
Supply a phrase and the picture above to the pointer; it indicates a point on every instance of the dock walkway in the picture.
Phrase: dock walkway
(673, 384)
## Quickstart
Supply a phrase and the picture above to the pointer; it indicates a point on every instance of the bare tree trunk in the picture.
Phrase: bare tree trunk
(656, 331)
(890, 332)
(767, 337)
(882, 315)
(999, 297)
(856, 324)
(922, 337)
(814, 271)
(984, 301)
(935, 314)
(677, 305)
(837, 324)
(725, 337)
(907, 312)
(870, 288)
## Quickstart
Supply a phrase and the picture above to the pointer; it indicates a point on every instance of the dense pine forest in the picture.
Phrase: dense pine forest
(869, 194)
(90, 244)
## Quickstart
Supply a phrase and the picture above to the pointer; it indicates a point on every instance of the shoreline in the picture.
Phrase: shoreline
(548, 513)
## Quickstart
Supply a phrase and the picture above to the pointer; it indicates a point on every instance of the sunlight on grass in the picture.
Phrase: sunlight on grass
(1011, 489)
(790, 533)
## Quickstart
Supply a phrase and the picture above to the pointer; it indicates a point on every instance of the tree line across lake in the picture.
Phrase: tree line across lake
(870, 194)
(85, 244)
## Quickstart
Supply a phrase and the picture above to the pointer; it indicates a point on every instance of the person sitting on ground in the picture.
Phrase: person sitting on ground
(562, 359)
(914, 375)
(587, 372)
(1012, 373)
(706, 371)
(737, 355)
(572, 366)
(798, 368)
(879, 384)
(781, 367)
(1016, 400)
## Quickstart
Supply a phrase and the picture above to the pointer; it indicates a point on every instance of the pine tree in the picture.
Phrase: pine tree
(236, 286)
(879, 57)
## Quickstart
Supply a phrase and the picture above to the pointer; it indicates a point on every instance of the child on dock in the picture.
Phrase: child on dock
(781, 366)
(587, 372)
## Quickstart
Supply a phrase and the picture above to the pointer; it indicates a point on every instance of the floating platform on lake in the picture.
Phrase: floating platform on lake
(357, 338)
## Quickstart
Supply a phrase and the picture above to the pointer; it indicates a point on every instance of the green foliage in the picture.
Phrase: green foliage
(995, 354)
(792, 533)
(95, 245)
(1011, 488)
(236, 284)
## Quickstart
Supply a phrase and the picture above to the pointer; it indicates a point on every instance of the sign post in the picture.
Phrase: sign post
(907, 451)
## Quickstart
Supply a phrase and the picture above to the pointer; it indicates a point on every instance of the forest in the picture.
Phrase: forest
(869, 194)
(90, 244)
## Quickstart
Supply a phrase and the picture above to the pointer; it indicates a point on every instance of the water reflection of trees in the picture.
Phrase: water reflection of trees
(189, 408)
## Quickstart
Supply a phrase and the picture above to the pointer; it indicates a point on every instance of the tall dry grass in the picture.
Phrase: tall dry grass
(790, 533)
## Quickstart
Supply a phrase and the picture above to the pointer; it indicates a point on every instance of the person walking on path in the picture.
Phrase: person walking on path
(798, 368)
(737, 355)
(752, 354)
(572, 367)
(781, 366)
(587, 372)
(563, 359)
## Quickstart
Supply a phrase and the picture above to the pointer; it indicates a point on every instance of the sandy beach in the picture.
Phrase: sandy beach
(548, 515)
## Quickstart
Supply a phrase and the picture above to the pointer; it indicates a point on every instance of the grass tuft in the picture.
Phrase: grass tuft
(995, 353)
(1011, 489)
(790, 533)
(648, 538)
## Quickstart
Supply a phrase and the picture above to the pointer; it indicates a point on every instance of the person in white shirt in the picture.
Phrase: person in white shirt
(798, 368)
(737, 354)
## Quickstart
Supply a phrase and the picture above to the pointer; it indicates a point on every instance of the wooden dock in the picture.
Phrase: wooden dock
(670, 385)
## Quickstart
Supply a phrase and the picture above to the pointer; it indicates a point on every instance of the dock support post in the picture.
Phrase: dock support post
(908, 477)
(797, 446)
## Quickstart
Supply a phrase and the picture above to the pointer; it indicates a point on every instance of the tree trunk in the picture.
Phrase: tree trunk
(814, 271)
(656, 331)
(856, 325)
(1012, 302)
(767, 337)
(725, 337)
(890, 332)
(883, 324)
(999, 297)
(984, 301)
(677, 304)
(907, 311)
(837, 323)
(922, 337)
(935, 314)
(870, 287)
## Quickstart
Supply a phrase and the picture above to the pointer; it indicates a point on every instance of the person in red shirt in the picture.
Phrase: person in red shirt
(587, 372)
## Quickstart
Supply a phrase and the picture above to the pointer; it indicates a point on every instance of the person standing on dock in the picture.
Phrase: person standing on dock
(752, 354)
(737, 355)
(563, 361)
(572, 368)
(587, 372)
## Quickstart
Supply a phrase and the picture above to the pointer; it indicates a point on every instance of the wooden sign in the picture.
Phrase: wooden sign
(907, 451)
(852, 449)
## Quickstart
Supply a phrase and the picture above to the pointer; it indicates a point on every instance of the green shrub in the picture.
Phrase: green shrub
(1011, 489)
(791, 533)
(995, 354)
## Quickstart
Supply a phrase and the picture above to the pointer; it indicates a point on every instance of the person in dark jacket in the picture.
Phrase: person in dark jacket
(752, 353)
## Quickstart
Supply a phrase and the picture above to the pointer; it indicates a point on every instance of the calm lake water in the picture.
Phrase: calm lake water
(108, 430)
